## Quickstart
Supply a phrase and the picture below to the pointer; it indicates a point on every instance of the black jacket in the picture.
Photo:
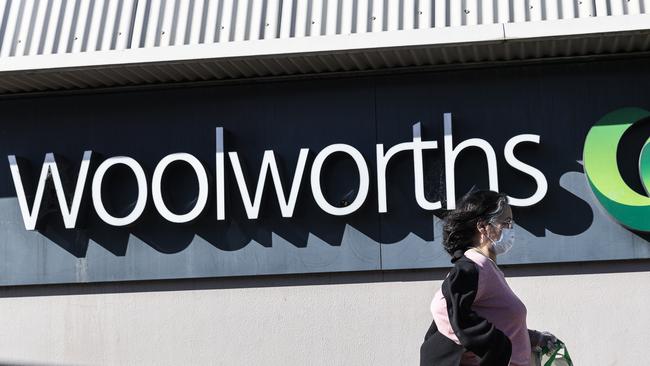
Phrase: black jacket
(475, 333)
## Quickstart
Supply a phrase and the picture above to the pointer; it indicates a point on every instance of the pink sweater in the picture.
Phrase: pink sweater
(495, 302)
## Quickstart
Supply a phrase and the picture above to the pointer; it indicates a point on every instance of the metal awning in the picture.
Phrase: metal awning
(79, 44)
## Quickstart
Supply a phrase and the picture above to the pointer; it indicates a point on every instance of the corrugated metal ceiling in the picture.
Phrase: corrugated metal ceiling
(78, 44)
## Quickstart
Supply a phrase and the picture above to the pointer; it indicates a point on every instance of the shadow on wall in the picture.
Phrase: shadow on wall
(340, 181)
(237, 231)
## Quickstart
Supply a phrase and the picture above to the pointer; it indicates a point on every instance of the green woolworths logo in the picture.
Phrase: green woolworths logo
(627, 206)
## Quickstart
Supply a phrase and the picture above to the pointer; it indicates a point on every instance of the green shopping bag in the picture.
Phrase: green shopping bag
(559, 357)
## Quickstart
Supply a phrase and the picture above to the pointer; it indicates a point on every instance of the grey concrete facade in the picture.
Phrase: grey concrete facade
(364, 318)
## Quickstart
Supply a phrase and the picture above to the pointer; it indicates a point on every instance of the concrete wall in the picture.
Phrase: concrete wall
(370, 318)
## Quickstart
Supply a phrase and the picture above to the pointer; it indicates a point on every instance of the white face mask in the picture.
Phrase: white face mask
(505, 242)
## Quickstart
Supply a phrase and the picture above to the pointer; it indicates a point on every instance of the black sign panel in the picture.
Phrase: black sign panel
(557, 102)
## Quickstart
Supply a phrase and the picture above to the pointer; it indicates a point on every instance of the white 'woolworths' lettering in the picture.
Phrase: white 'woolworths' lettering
(364, 179)
(156, 188)
(141, 199)
(50, 169)
(70, 212)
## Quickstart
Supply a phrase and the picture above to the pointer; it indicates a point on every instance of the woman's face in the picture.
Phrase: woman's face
(504, 220)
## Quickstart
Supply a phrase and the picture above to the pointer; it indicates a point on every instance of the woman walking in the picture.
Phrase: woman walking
(477, 318)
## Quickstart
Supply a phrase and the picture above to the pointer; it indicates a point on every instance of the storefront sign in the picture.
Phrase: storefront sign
(50, 174)
(323, 175)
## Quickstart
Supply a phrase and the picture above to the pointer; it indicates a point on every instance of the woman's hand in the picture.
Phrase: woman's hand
(538, 340)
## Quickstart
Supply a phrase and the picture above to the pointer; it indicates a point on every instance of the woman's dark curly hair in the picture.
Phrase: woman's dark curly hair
(459, 229)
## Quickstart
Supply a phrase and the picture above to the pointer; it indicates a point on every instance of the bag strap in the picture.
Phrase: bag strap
(559, 346)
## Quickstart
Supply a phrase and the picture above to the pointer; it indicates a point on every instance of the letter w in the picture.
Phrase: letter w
(50, 169)
(269, 163)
